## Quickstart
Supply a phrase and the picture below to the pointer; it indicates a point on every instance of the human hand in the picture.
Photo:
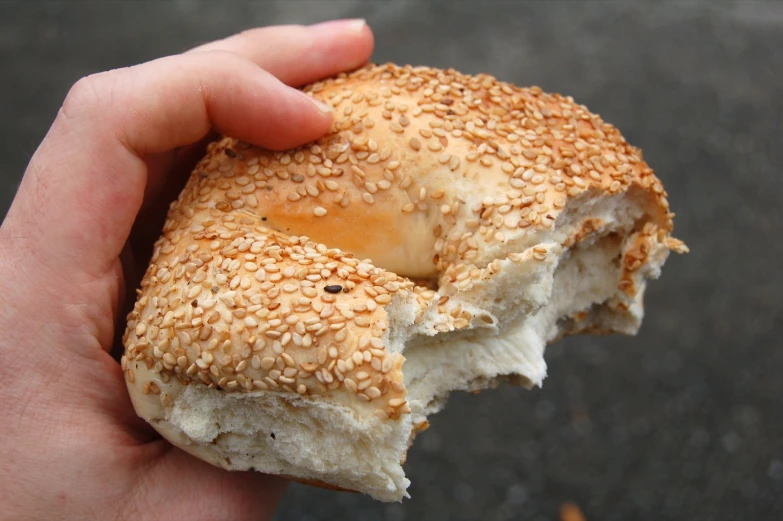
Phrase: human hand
(78, 237)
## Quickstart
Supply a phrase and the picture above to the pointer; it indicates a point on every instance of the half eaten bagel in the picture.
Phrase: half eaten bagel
(305, 311)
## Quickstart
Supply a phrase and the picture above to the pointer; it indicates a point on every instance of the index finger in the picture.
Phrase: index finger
(298, 54)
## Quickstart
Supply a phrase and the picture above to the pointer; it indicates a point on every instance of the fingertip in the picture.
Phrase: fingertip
(354, 33)
(365, 32)
(363, 29)
(322, 107)
(349, 25)
(307, 122)
(294, 119)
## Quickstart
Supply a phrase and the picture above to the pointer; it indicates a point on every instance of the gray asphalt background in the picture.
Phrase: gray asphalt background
(684, 421)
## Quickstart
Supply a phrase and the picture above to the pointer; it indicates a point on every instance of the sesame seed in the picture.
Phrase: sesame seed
(319, 211)
(288, 360)
(396, 402)
(549, 148)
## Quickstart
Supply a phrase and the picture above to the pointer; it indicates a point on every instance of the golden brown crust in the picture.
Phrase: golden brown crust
(261, 311)
(431, 168)
(430, 174)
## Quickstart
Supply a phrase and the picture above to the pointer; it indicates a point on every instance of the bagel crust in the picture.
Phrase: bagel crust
(436, 215)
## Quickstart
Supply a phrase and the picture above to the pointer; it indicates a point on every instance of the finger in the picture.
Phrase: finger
(175, 101)
(86, 181)
(295, 54)
(302, 54)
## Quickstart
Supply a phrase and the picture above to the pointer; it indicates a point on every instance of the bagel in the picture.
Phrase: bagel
(304, 312)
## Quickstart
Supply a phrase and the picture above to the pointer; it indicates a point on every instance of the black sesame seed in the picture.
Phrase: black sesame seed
(230, 153)
(333, 288)
(194, 303)
(272, 435)
(263, 218)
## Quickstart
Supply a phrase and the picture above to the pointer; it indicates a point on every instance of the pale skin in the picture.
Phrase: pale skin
(75, 242)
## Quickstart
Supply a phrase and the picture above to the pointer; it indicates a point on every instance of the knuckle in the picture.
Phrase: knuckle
(90, 95)
(82, 95)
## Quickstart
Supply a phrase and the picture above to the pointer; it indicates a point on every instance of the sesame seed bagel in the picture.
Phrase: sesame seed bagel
(305, 311)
